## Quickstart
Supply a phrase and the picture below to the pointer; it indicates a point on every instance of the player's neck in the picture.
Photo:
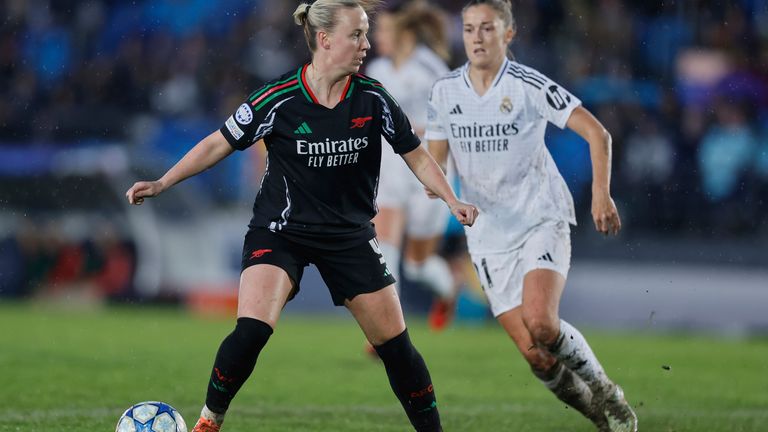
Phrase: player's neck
(326, 84)
(482, 77)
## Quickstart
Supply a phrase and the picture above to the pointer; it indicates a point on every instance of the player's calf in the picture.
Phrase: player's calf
(410, 380)
(234, 363)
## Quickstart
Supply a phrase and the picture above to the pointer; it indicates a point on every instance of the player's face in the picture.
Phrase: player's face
(348, 44)
(485, 36)
(384, 34)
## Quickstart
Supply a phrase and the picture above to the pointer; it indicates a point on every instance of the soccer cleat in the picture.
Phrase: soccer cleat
(618, 413)
(205, 425)
(441, 314)
(597, 417)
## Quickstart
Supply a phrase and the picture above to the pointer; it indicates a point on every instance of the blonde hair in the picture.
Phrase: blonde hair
(428, 24)
(321, 15)
(503, 9)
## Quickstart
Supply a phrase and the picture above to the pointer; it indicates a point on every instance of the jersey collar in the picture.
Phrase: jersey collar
(301, 75)
(496, 80)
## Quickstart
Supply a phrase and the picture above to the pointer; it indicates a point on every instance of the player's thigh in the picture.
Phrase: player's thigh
(360, 269)
(545, 258)
(264, 290)
(272, 268)
(379, 314)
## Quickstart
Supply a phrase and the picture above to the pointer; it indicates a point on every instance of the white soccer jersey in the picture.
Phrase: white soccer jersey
(497, 143)
(411, 84)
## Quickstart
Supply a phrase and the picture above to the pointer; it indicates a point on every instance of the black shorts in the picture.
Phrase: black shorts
(348, 272)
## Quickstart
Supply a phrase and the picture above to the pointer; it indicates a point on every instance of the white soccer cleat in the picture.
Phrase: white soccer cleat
(618, 413)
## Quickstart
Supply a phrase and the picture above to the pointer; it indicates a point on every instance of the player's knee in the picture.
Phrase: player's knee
(543, 330)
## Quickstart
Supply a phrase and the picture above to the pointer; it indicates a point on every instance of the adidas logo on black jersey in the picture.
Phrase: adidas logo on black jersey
(303, 129)
(456, 110)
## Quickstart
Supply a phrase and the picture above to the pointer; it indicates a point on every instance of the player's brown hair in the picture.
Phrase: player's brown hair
(502, 7)
(321, 15)
(428, 24)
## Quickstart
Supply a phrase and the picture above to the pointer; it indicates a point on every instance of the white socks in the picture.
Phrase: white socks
(573, 350)
(210, 415)
(434, 272)
(568, 387)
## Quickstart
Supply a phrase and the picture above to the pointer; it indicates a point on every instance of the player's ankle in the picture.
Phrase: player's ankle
(217, 418)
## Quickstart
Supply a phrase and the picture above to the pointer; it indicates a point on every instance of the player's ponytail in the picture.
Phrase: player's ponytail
(321, 15)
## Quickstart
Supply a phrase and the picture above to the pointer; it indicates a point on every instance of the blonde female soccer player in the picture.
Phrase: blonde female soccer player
(322, 124)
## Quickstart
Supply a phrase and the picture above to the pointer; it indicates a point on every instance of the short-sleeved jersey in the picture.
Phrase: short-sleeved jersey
(322, 171)
(412, 82)
(497, 143)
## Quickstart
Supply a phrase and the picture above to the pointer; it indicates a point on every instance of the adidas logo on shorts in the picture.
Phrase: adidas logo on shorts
(546, 257)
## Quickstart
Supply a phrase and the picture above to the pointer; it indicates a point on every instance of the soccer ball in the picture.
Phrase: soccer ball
(151, 417)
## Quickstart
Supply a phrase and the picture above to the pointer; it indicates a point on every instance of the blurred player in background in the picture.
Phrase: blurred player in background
(412, 43)
(322, 125)
(491, 114)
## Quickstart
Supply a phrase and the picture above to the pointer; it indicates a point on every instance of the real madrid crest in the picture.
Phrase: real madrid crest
(506, 105)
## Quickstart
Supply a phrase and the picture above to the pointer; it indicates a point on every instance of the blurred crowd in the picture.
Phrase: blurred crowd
(681, 85)
(40, 260)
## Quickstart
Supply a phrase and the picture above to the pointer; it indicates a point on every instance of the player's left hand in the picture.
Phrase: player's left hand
(604, 214)
(465, 213)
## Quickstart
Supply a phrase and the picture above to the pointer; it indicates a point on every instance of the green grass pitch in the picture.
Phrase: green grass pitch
(78, 370)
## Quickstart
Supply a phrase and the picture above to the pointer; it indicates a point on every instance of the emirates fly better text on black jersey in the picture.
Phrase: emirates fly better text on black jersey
(322, 171)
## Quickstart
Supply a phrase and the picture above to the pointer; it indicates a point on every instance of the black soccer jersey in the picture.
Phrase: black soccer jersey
(322, 172)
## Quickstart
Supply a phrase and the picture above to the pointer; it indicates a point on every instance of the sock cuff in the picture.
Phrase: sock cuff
(551, 377)
(558, 343)
(394, 346)
(255, 326)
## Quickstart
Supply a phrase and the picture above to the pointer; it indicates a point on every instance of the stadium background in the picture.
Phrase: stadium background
(97, 94)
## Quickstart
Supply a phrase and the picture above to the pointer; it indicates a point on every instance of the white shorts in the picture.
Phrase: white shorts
(400, 189)
(548, 246)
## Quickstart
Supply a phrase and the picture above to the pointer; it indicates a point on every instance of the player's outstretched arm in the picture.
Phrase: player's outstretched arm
(431, 176)
(439, 151)
(205, 154)
(604, 212)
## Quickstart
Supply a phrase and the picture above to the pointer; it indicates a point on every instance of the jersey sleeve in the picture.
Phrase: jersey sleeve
(395, 126)
(552, 101)
(435, 118)
(249, 124)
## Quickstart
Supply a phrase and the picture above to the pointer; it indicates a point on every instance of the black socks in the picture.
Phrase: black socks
(235, 361)
(409, 378)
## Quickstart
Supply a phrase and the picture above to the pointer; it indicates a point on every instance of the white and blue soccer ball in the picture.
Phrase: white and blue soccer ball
(151, 417)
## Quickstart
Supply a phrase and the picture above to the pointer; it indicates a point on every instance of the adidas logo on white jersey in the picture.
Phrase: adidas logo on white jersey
(456, 110)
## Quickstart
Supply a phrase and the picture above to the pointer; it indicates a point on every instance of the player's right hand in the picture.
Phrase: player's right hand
(464, 213)
(143, 189)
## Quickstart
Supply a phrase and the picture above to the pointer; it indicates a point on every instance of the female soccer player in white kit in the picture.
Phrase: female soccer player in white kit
(412, 45)
(491, 115)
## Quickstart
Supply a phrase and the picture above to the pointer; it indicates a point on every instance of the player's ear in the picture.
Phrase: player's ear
(323, 40)
(509, 35)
